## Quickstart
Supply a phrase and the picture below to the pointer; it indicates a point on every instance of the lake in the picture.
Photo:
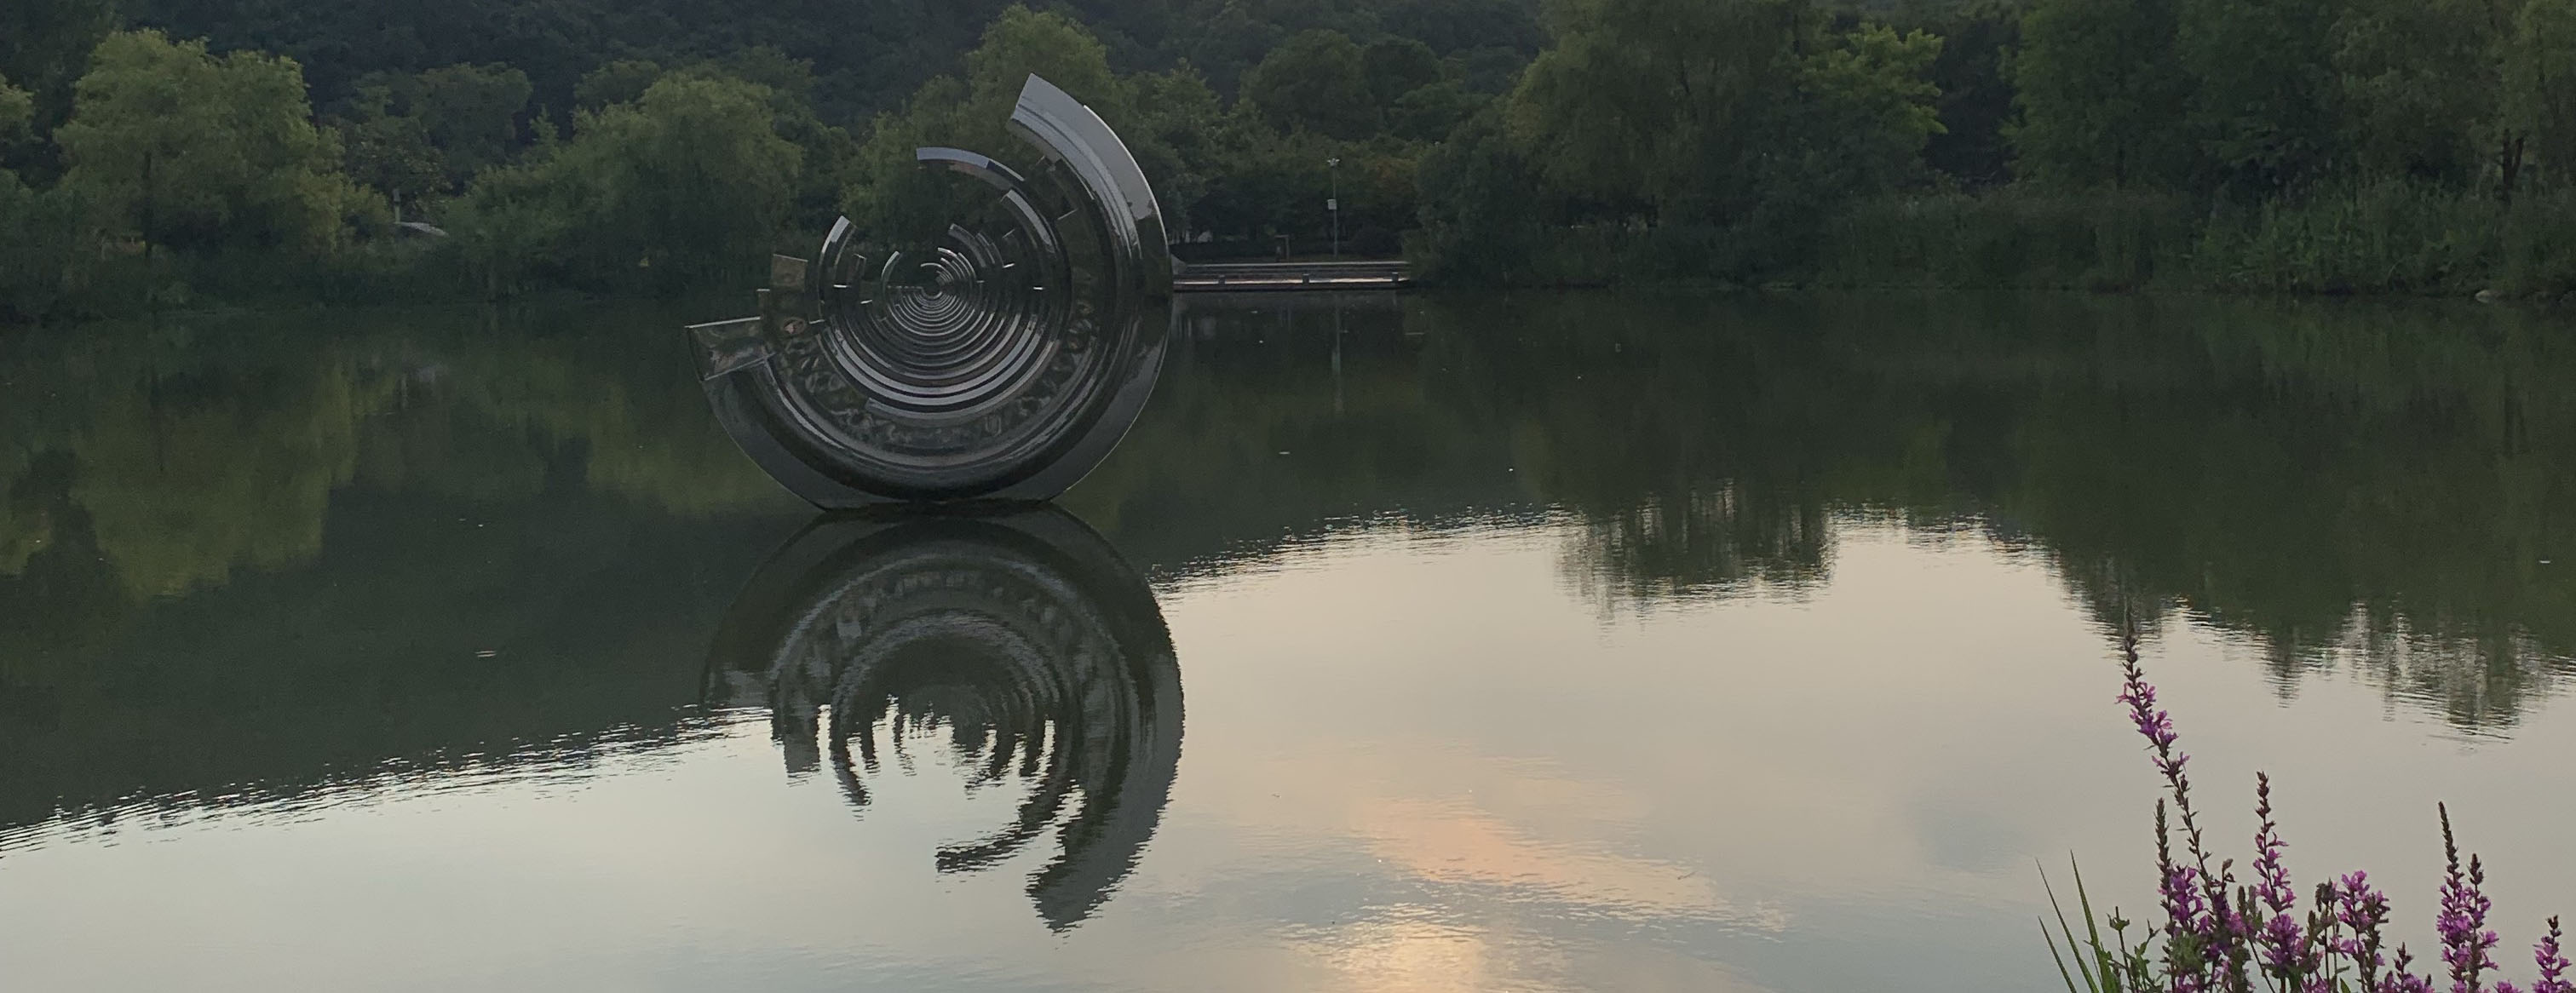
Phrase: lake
(1539, 641)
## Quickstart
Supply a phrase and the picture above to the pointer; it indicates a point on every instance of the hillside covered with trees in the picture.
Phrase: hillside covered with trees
(163, 151)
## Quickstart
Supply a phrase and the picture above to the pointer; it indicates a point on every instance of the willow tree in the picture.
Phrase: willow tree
(43, 46)
(179, 147)
(1722, 112)
(2417, 82)
(1643, 106)
(1173, 122)
(1317, 80)
(37, 228)
(889, 191)
(688, 186)
(2263, 93)
(2100, 94)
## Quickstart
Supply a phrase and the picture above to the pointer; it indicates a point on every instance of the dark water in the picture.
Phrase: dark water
(1544, 642)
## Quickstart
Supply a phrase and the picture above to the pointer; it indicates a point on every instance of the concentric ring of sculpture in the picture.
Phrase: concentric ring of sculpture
(1002, 357)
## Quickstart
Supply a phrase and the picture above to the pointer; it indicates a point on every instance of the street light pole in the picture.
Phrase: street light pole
(1335, 204)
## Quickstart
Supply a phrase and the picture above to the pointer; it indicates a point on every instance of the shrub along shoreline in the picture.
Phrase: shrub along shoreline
(2386, 239)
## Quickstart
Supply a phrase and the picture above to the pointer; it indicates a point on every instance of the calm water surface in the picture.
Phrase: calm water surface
(1548, 642)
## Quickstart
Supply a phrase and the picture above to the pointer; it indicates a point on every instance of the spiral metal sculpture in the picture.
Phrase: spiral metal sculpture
(1021, 638)
(1001, 358)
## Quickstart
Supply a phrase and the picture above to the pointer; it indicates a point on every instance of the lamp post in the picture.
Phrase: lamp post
(1334, 205)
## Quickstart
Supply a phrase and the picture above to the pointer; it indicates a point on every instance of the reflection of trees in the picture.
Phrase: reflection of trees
(57, 598)
(2293, 472)
(1708, 541)
(181, 466)
(429, 638)
(1022, 639)
(1202, 477)
(2286, 471)
(619, 388)
(255, 560)
(2366, 487)
(187, 479)
(25, 521)
(194, 451)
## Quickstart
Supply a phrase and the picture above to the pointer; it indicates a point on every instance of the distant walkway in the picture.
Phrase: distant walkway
(1375, 274)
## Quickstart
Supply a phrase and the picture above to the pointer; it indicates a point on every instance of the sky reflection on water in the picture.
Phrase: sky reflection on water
(1638, 645)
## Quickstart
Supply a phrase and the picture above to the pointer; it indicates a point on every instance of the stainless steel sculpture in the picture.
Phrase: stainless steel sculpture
(1003, 357)
(1020, 638)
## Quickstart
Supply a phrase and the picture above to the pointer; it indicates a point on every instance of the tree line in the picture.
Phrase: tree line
(2424, 146)
(172, 149)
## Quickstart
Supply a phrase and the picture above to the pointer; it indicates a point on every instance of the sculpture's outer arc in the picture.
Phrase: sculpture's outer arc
(1007, 367)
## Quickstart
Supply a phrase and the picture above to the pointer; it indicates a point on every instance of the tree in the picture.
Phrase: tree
(1317, 80)
(2263, 92)
(1648, 103)
(471, 113)
(1478, 197)
(2100, 95)
(186, 149)
(17, 111)
(454, 121)
(44, 45)
(1226, 43)
(2417, 81)
(37, 227)
(695, 171)
(1395, 67)
(520, 219)
(685, 187)
(1977, 37)
(1182, 136)
(827, 150)
(1872, 108)
(619, 81)
(1431, 112)
(973, 112)
(1021, 43)
(1459, 25)
(2539, 101)
(393, 153)
(37, 231)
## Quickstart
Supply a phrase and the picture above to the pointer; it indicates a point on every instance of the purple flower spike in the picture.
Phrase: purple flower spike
(2465, 939)
(2400, 980)
(2363, 911)
(2221, 931)
(2285, 944)
(2553, 963)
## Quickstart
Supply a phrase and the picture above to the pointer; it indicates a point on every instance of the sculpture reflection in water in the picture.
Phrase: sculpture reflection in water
(1018, 633)
(993, 335)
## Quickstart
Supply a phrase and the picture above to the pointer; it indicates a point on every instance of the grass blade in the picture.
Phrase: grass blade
(2091, 985)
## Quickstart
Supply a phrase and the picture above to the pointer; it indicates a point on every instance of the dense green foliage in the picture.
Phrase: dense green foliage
(2424, 146)
(687, 184)
(2302, 145)
(661, 147)
(180, 148)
